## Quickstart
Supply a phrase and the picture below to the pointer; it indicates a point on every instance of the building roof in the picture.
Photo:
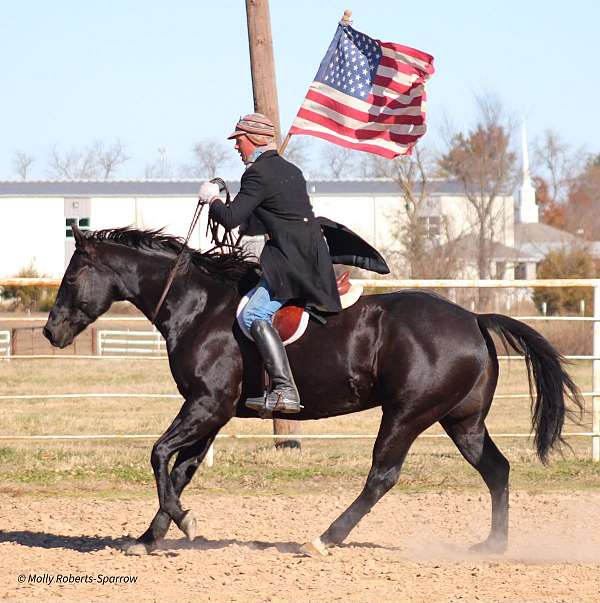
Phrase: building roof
(189, 187)
(535, 240)
(466, 248)
(538, 232)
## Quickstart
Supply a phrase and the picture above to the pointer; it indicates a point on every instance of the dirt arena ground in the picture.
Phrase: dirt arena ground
(412, 547)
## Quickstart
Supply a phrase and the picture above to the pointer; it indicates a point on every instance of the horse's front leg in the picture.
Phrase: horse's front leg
(187, 462)
(196, 420)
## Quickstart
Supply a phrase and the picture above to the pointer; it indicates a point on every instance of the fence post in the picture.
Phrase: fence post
(596, 379)
(209, 459)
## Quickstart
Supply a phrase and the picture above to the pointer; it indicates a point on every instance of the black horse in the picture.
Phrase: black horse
(420, 357)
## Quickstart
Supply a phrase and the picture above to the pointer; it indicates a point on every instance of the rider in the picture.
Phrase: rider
(295, 261)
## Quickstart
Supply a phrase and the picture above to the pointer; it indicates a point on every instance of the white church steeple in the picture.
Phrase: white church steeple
(528, 209)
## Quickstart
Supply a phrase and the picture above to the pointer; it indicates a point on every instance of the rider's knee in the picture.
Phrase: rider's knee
(248, 317)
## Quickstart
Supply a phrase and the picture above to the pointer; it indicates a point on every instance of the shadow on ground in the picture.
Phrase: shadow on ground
(89, 544)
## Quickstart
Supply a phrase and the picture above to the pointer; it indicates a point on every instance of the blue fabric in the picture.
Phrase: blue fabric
(260, 305)
(255, 155)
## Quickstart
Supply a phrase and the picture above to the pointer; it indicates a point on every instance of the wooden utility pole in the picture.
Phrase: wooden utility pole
(262, 64)
(264, 88)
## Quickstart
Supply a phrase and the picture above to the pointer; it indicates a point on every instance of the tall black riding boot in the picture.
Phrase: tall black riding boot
(283, 396)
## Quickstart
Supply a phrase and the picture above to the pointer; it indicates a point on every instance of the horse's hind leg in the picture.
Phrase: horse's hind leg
(393, 442)
(473, 440)
(187, 462)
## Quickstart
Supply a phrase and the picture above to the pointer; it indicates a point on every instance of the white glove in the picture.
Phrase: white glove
(209, 191)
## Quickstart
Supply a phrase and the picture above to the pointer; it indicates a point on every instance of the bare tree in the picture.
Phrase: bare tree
(581, 214)
(22, 164)
(110, 158)
(161, 168)
(75, 164)
(423, 242)
(88, 163)
(210, 156)
(338, 161)
(481, 160)
(299, 151)
(558, 163)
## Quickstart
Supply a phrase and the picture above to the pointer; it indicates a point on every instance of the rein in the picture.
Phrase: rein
(219, 243)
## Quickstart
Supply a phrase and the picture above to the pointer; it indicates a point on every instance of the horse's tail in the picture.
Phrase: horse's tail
(545, 370)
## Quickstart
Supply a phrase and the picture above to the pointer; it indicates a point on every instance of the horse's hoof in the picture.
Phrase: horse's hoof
(315, 549)
(137, 548)
(188, 525)
(491, 546)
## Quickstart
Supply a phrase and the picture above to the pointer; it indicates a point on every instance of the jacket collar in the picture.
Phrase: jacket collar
(266, 154)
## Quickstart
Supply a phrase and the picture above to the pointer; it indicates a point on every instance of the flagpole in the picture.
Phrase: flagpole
(344, 21)
(285, 142)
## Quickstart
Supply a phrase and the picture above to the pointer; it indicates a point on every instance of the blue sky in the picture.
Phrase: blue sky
(156, 73)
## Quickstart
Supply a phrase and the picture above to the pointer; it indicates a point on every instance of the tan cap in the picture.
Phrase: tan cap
(259, 128)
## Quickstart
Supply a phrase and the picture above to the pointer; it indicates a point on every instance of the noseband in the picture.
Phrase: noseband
(220, 242)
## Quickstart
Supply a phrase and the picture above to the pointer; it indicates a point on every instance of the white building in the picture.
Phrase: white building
(36, 217)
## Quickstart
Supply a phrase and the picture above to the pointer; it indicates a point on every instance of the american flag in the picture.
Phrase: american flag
(367, 95)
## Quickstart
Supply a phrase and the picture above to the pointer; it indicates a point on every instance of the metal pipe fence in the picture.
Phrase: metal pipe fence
(453, 284)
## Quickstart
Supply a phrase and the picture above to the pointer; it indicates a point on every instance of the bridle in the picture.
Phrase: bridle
(220, 242)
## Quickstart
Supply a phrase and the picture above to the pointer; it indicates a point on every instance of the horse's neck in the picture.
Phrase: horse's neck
(145, 276)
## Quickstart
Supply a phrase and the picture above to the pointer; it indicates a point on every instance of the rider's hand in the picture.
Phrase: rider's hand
(208, 192)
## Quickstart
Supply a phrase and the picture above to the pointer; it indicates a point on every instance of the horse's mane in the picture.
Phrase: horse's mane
(232, 266)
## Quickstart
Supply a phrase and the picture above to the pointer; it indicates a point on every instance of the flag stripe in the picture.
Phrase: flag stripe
(376, 142)
(403, 79)
(408, 115)
(388, 85)
(380, 96)
(362, 133)
(425, 59)
(389, 58)
(371, 147)
(390, 104)
(401, 124)
(401, 66)
(357, 146)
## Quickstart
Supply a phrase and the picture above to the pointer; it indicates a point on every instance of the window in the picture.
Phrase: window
(83, 223)
(431, 226)
(520, 271)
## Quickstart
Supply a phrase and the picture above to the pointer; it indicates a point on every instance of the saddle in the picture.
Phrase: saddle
(291, 320)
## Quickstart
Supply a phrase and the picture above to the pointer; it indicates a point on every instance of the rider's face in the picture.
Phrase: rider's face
(244, 147)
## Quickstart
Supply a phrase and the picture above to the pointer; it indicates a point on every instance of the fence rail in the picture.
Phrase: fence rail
(5, 344)
(461, 284)
(129, 341)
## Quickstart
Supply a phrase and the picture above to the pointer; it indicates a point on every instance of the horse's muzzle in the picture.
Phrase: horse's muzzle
(58, 341)
(48, 334)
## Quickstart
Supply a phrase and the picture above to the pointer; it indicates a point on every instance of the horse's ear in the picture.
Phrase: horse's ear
(80, 240)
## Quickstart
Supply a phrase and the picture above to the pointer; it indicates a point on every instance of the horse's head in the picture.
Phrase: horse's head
(87, 290)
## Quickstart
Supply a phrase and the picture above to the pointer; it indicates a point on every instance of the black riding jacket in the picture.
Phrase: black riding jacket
(295, 260)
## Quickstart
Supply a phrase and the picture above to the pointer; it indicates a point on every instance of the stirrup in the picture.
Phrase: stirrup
(277, 401)
(257, 403)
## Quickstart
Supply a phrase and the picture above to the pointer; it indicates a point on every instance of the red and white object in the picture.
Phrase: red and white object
(367, 95)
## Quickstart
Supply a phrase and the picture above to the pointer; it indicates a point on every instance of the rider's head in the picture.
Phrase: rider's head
(253, 131)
